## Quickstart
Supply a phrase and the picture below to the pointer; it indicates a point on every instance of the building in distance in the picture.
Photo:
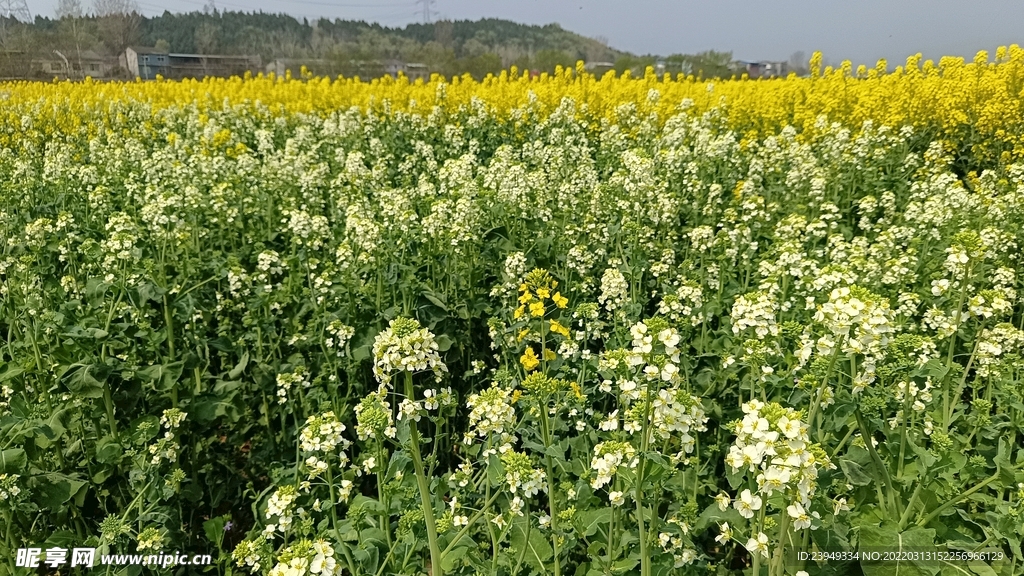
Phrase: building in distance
(148, 62)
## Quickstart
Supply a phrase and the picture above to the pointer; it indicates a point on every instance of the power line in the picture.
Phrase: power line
(338, 5)
(426, 9)
(17, 9)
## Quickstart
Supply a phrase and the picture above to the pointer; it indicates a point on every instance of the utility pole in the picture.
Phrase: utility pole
(16, 9)
(426, 9)
(12, 10)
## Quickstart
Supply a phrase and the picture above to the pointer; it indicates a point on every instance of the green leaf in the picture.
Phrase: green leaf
(713, 514)
(209, 407)
(625, 565)
(162, 376)
(108, 450)
(444, 342)
(887, 539)
(10, 372)
(368, 557)
(214, 528)
(436, 300)
(237, 370)
(57, 489)
(1005, 468)
(87, 380)
(13, 460)
(538, 549)
(588, 522)
(934, 368)
(449, 559)
(855, 473)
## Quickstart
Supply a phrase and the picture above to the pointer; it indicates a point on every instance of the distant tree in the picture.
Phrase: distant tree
(547, 60)
(712, 64)
(162, 45)
(473, 47)
(119, 23)
(635, 64)
(798, 63)
(71, 28)
(678, 64)
(207, 35)
(69, 9)
(478, 66)
(444, 33)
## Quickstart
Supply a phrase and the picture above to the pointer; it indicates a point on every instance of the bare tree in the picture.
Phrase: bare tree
(798, 62)
(119, 22)
(206, 38)
(70, 14)
(69, 9)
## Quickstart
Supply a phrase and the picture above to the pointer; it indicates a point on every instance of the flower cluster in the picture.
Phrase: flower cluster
(280, 505)
(405, 346)
(306, 557)
(166, 447)
(608, 457)
(374, 418)
(756, 310)
(490, 412)
(150, 539)
(520, 475)
(339, 337)
(9, 486)
(322, 433)
(287, 380)
(614, 289)
(772, 440)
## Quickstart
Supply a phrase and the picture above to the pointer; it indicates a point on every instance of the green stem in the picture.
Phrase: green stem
(779, 562)
(824, 382)
(385, 516)
(903, 432)
(645, 559)
(552, 504)
(877, 461)
(421, 482)
(952, 346)
(472, 521)
(910, 506)
(956, 499)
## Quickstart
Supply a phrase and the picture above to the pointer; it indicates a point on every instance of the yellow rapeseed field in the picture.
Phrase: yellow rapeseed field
(980, 100)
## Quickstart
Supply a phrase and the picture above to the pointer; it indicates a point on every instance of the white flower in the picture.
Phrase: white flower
(616, 498)
(747, 504)
(725, 534)
(800, 517)
(758, 545)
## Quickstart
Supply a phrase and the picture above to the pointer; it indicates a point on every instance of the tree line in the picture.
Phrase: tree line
(330, 46)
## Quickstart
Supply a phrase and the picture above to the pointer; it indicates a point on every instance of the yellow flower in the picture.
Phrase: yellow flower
(519, 312)
(557, 328)
(543, 293)
(522, 334)
(549, 354)
(529, 360)
(537, 309)
(516, 395)
(525, 297)
(577, 390)
(560, 301)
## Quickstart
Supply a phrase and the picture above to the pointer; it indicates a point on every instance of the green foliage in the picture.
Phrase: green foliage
(535, 341)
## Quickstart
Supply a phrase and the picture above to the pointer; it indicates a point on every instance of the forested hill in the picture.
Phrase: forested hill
(449, 47)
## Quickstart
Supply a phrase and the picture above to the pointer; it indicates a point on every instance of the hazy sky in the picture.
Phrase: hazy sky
(862, 31)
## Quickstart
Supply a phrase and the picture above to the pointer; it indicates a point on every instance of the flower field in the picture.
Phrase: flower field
(560, 325)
